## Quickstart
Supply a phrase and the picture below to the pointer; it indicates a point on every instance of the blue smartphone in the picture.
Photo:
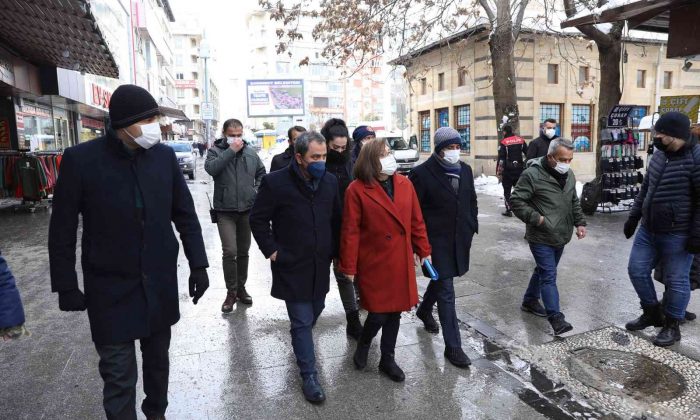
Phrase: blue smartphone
(429, 270)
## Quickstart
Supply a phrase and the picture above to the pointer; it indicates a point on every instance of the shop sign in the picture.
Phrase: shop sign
(20, 120)
(100, 96)
(619, 116)
(91, 123)
(686, 104)
(185, 84)
(207, 111)
(5, 134)
(36, 111)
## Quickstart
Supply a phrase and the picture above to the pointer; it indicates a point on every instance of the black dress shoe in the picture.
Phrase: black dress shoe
(428, 321)
(559, 324)
(312, 390)
(361, 354)
(457, 357)
(244, 297)
(507, 213)
(690, 316)
(534, 307)
(669, 334)
(388, 366)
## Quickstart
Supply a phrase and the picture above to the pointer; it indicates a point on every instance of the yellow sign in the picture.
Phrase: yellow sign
(687, 104)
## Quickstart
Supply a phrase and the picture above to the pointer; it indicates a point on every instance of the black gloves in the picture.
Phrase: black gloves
(199, 283)
(71, 300)
(693, 245)
(630, 227)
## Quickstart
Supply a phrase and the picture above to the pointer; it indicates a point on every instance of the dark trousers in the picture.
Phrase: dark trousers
(543, 282)
(389, 323)
(348, 292)
(302, 317)
(442, 292)
(119, 373)
(234, 231)
(11, 309)
(509, 179)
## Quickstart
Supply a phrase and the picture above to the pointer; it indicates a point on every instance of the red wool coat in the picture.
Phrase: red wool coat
(378, 240)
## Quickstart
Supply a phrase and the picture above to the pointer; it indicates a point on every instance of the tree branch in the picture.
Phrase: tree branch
(489, 11)
(518, 24)
(600, 37)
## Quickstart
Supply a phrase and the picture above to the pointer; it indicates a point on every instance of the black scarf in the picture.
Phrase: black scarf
(560, 178)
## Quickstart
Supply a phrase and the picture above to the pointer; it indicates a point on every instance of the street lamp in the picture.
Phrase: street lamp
(204, 54)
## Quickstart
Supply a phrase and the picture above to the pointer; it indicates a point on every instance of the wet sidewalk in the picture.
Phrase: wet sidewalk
(241, 365)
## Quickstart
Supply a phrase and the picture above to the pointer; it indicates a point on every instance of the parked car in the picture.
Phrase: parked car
(406, 157)
(185, 157)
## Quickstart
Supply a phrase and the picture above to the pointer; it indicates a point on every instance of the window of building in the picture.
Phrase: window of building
(668, 79)
(424, 120)
(423, 86)
(194, 59)
(178, 60)
(193, 42)
(180, 76)
(442, 117)
(581, 129)
(196, 109)
(320, 102)
(195, 75)
(195, 93)
(461, 76)
(441, 81)
(583, 75)
(639, 112)
(335, 87)
(178, 42)
(553, 74)
(641, 79)
(180, 93)
(553, 111)
(463, 126)
(282, 67)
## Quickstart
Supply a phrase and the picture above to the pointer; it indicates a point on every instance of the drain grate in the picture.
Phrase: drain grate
(623, 374)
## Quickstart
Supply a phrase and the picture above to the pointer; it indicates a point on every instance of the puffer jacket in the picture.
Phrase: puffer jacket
(670, 194)
(236, 176)
(537, 194)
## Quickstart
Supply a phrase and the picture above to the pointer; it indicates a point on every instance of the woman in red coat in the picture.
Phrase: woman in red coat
(382, 230)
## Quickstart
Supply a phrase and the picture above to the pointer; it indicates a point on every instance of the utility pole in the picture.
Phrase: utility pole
(205, 55)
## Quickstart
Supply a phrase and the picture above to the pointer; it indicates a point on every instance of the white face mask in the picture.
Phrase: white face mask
(562, 168)
(550, 133)
(150, 135)
(388, 165)
(452, 156)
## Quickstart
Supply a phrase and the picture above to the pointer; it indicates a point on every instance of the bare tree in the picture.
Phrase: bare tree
(355, 32)
(609, 45)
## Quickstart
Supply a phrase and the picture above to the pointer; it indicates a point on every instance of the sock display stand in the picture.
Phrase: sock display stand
(622, 178)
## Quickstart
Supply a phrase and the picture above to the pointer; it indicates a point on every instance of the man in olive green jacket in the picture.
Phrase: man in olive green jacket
(545, 199)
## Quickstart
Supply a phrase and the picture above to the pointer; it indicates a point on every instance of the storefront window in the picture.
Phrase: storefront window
(35, 128)
(637, 114)
(551, 111)
(424, 119)
(463, 126)
(90, 128)
(581, 127)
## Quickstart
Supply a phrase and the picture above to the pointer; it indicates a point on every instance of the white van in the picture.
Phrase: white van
(406, 155)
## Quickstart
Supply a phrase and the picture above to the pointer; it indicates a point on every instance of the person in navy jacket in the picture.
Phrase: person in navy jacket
(128, 190)
(296, 222)
(445, 189)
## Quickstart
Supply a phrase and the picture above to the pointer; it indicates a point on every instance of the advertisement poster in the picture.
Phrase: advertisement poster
(274, 98)
(688, 105)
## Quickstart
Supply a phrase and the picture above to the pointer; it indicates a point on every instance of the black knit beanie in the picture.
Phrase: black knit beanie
(674, 124)
(130, 104)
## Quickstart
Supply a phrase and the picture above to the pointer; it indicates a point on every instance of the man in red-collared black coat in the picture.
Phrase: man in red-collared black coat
(511, 151)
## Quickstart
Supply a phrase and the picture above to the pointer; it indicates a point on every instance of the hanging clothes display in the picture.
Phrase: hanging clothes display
(30, 176)
(621, 179)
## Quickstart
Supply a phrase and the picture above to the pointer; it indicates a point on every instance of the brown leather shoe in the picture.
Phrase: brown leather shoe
(229, 302)
(244, 297)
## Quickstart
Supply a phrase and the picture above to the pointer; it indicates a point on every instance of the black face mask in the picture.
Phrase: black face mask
(659, 144)
(337, 157)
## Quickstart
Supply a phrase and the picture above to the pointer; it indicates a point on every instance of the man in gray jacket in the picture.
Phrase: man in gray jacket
(237, 171)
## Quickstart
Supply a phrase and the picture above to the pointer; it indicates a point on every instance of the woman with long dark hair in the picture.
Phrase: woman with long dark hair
(339, 164)
(382, 229)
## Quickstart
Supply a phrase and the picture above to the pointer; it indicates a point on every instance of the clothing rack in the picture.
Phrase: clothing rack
(29, 175)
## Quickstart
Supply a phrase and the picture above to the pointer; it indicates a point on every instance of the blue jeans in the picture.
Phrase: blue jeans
(648, 250)
(442, 292)
(543, 282)
(303, 316)
(11, 309)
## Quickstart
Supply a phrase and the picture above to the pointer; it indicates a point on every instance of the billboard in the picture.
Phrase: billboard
(275, 98)
(686, 104)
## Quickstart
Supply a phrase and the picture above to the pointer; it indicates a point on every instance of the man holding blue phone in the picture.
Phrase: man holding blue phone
(445, 189)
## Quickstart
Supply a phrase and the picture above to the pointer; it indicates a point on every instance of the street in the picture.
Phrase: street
(241, 365)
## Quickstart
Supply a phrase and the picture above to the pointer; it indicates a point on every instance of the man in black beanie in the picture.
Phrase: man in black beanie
(667, 206)
(128, 189)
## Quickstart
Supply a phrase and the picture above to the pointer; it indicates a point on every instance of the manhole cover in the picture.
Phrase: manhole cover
(620, 372)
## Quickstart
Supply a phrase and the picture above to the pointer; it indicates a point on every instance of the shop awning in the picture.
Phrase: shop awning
(174, 113)
(633, 11)
(61, 33)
